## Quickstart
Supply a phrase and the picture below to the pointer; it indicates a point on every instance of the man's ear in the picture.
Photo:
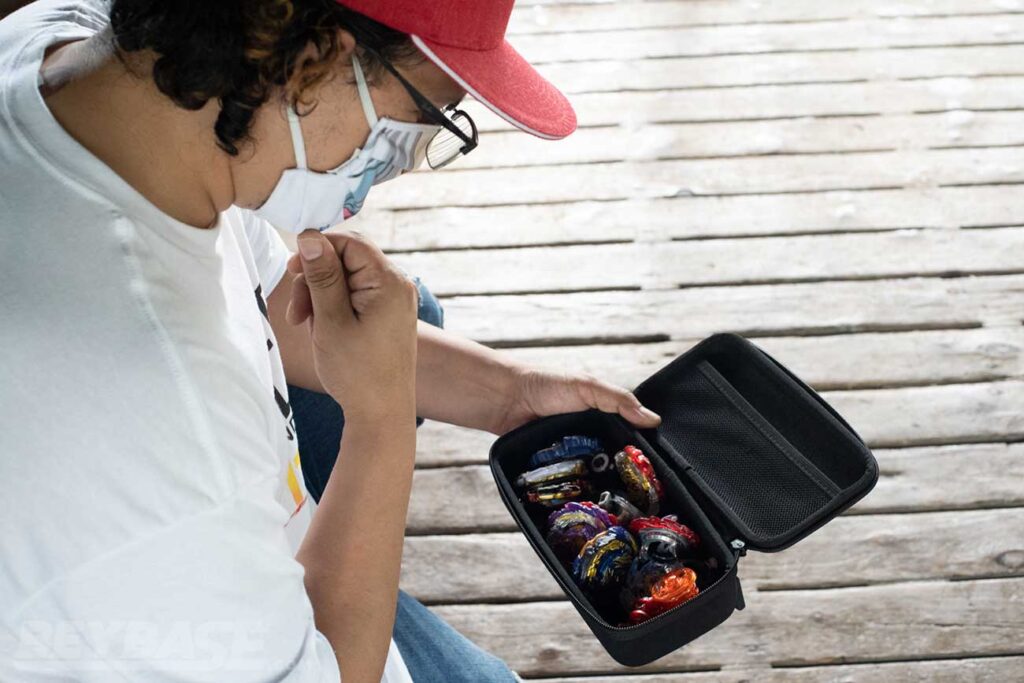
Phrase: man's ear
(309, 75)
(346, 44)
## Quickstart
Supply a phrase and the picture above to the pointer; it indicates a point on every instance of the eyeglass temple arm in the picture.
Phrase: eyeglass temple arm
(422, 101)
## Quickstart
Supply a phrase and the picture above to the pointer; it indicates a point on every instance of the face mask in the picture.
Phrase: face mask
(305, 199)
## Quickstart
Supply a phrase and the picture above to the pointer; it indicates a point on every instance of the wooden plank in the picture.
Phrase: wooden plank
(543, 16)
(631, 109)
(688, 217)
(942, 671)
(730, 71)
(851, 34)
(961, 477)
(849, 551)
(884, 418)
(659, 263)
(992, 413)
(857, 361)
(900, 621)
(753, 310)
(703, 177)
(911, 480)
(958, 128)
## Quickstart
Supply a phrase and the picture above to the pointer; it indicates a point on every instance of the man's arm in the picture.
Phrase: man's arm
(458, 380)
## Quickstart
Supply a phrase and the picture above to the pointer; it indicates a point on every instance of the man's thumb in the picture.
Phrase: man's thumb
(323, 274)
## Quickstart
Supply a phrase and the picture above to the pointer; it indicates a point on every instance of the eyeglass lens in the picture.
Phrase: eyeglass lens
(446, 146)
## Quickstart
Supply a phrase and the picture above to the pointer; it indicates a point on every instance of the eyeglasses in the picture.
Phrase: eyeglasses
(457, 136)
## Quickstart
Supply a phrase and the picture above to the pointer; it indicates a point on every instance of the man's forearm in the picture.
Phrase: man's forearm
(352, 552)
(461, 381)
(458, 380)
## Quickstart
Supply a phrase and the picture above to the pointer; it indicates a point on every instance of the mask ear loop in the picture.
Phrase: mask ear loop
(298, 145)
(364, 92)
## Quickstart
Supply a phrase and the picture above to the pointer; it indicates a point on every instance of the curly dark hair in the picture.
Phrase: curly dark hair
(238, 51)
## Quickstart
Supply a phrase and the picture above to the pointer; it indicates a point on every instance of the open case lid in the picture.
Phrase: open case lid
(768, 454)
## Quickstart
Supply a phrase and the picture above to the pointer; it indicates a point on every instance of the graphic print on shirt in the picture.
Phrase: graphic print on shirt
(294, 475)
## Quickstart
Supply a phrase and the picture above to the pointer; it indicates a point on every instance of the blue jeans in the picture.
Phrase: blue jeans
(433, 651)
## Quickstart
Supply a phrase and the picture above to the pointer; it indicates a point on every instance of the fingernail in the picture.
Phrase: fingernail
(642, 411)
(310, 247)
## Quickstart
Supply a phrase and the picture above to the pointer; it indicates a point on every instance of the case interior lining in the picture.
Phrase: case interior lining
(754, 439)
(511, 458)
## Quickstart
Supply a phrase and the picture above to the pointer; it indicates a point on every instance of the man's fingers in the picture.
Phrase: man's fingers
(357, 252)
(323, 275)
(611, 398)
(300, 305)
(639, 414)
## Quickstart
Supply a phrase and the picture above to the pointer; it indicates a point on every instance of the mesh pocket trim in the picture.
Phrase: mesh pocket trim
(766, 429)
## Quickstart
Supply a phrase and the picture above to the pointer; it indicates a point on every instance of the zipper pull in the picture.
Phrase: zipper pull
(739, 546)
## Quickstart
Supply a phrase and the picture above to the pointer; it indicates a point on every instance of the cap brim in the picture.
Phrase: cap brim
(506, 84)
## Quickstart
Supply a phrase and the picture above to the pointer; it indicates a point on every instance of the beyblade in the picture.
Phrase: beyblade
(572, 446)
(605, 559)
(548, 474)
(664, 538)
(554, 495)
(617, 504)
(670, 590)
(643, 573)
(572, 525)
(642, 486)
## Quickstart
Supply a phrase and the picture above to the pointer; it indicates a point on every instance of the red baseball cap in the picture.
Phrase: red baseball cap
(466, 39)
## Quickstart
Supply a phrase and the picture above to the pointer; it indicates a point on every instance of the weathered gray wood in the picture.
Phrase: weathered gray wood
(753, 310)
(782, 101)
(897, 621)
(911, 480)
(958, 413)
(830, 362)
(681, 178)
(978, 670)
(684, 263)
(885, 418)
(958, 477)
(542, 16)
(717, 71)
(751, 138)
(764, 38)
(689, 217)
(851, 550)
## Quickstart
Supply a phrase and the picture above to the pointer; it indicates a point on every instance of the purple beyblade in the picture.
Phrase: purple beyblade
(572, 525)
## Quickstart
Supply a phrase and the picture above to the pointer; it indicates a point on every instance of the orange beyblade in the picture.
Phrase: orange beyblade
(673, 589)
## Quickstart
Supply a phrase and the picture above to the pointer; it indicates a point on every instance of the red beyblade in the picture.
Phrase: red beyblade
(673, 589)
(668, 523)
(642, 486)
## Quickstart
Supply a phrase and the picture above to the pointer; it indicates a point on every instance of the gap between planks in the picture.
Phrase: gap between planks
(935, 670)
(536, 17)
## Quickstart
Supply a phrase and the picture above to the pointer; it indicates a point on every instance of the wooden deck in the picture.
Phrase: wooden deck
(840, 181)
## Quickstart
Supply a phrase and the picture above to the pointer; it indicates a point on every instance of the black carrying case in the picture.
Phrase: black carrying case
(749, 456)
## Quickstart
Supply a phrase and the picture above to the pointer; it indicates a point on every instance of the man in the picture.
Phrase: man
(156, 526)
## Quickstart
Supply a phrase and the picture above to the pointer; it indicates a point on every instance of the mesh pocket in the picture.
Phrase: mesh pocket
(755, 472)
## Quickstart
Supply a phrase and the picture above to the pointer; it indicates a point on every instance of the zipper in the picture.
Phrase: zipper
(585, 607)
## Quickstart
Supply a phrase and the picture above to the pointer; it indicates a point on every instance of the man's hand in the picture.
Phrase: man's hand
(538, 392)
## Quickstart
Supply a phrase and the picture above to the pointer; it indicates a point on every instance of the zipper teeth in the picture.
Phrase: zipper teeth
(587, 608)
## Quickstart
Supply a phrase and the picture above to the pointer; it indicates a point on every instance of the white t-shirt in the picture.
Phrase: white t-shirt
(152, 499)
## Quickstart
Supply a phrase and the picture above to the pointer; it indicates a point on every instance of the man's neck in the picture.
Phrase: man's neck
(167, 153)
